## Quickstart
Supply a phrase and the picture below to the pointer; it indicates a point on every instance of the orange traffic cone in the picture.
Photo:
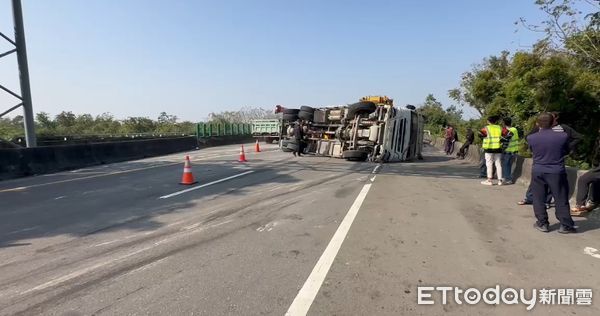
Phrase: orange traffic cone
(188, 177)
(242, 155)
(257, 147)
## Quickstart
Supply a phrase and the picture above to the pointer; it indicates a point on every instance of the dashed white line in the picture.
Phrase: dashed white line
(22, 230)
(307, 294)
(85, 270)
(205, 185)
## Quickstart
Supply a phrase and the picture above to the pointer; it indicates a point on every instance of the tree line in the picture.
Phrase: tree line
(67, 123)
(561, 73)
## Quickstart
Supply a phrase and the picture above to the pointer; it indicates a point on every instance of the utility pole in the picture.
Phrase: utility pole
(24, 73)
(21, 51)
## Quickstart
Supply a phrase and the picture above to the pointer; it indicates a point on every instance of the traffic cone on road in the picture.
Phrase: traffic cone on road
(257, 147)
(188, 177)
(242, 155)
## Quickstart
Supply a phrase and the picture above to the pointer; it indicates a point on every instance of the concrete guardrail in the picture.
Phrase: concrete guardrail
(21, 162)
(521, 168)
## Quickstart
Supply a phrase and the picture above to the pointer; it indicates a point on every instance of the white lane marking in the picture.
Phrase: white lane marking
(592, 252)
(111, 173)
(22, 230)
(83, 271)
(147, 266)
(373, 179)
(60, 197)
(196, 230)
(307, 294)
(268, 227)
(205, 185)
(120, 239)
(376, 168)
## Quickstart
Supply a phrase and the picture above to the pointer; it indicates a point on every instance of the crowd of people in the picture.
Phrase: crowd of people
(550, 143)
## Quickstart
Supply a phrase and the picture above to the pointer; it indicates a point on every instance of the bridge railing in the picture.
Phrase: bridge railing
(204, 130)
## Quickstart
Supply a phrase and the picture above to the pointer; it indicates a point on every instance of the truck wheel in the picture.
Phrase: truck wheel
(361, 107)
(355, 155)
(307, 116)
(291, 111)
(307, 109)
(292, 146)
(290, 117)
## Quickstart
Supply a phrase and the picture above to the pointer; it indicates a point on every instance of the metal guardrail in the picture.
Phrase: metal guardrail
(227, 129)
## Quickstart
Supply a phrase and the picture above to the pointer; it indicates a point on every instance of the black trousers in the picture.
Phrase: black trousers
(583, 185)
(559, 186)
(463, 150)
(300, 146)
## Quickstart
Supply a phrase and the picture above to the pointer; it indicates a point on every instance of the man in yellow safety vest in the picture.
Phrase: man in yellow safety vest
(493, 135)
(510, 152)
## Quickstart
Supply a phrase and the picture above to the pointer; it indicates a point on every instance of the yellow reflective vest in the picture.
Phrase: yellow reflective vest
(494, 134)
(513, 145)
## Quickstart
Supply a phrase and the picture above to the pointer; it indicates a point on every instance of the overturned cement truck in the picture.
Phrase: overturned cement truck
(372, 129)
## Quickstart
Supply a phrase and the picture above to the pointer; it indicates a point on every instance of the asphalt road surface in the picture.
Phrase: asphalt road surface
(279, 235)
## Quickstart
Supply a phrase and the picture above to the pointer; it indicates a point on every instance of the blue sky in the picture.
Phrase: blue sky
(190, 58)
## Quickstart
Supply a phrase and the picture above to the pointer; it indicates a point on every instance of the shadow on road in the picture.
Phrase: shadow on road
(129, 201)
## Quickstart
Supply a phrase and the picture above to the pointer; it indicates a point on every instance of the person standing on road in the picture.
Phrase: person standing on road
(450, 137)
(574, 140)
(510, 152)
(298, 136)
(493, 136)
(469, 138)
(549, 150)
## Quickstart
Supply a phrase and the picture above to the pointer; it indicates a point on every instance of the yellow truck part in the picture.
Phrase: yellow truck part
(378, 99)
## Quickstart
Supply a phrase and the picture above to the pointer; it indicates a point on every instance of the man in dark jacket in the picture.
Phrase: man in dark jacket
(298, 136)
(574, 140)
(469, 138)
(549, 149)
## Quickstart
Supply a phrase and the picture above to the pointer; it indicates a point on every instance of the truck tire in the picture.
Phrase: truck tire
(291, 111)
(307, 109)
(292, 146)
(284, 143)
(355, 155)
(361, 107)
(290, 117)
(307, 116)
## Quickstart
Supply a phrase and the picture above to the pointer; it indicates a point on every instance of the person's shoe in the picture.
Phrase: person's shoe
(543, 228)
(524, 202)
(501, 182)
(567, 230)
(294, 154)
(579, 210)
(487, 182)
(507, 182)
(590, 205)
